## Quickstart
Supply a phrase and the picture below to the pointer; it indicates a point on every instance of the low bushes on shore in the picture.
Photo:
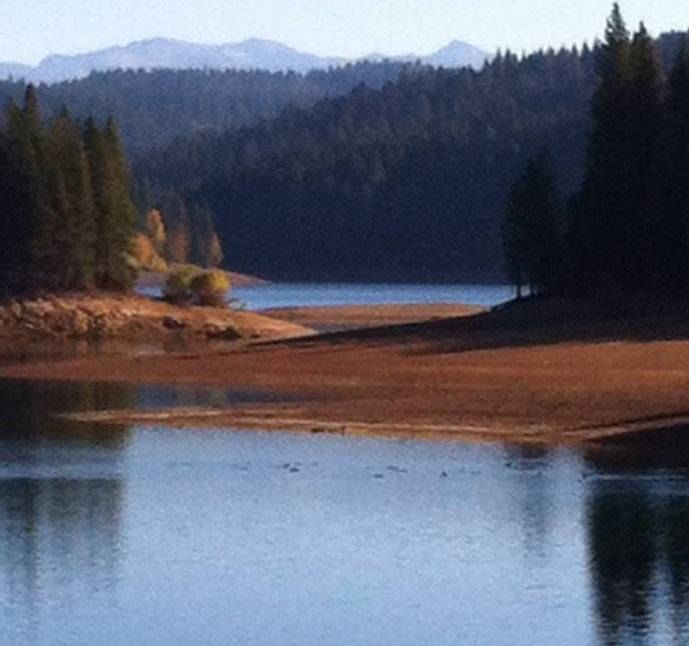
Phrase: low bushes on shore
(190, 285)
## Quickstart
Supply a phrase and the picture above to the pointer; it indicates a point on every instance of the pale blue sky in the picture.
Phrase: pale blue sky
(30, 29)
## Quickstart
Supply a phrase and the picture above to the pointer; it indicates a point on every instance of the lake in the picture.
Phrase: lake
(144, 535)
(272, 295)
(328, 294)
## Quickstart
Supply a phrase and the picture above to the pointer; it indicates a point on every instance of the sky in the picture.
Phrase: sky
(32, 29)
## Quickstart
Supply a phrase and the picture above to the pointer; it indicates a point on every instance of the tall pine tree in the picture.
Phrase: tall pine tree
(102, 182)
(674, 200)
(115, 215)
(17, 199)
(642, 233)
(75, 232)
(26, 189)
(600, 220)
(532, 230)
(617, 234)
(121, 274)
(206, 249)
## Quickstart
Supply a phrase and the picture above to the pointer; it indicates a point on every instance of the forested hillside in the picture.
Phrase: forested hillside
(154, 108)
(407, 182)
(375, 171)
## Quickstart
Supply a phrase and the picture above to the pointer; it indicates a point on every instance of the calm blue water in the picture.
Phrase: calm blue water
(314, 295)
(124, 536)
(320, 294)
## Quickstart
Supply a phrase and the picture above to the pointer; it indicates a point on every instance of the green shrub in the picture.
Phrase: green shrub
(210, 288)
(178, 286)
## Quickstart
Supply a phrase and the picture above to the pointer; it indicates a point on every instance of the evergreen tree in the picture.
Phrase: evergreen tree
(27, 142)
(73, 237)
(178, 245)
(25, 130)
(674, 201)
(115, 214)
(601, 220)
(32, 110)
(643, 234)
(205, 248)
(102, 183)
(532, 230)
(17, 200)
(515, 238)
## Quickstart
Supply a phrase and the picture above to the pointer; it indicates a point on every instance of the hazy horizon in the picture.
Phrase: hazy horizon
(348, 29)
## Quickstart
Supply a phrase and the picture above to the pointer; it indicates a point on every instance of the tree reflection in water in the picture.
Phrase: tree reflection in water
(29, 412)
(532, 495)
(60, 511)
(638, 537)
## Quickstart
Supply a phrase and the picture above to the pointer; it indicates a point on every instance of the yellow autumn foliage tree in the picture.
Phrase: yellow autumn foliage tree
(146, 258)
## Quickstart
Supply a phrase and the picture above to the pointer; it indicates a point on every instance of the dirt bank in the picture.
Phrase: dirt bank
(544, 373)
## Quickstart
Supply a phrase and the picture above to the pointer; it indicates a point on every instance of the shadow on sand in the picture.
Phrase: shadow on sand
(532, 322)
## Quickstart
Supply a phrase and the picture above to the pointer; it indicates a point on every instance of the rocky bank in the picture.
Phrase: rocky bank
(109, 317)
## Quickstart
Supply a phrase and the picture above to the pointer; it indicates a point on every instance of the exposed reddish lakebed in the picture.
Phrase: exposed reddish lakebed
(539, 373)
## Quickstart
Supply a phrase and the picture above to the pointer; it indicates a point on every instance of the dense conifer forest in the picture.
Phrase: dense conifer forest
(67, 219)
(627, 227)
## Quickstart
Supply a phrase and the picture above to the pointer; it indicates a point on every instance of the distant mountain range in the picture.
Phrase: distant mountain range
(249, 54)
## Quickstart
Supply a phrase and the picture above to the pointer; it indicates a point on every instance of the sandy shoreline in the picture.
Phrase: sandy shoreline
(520, 375)
(270, 419)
